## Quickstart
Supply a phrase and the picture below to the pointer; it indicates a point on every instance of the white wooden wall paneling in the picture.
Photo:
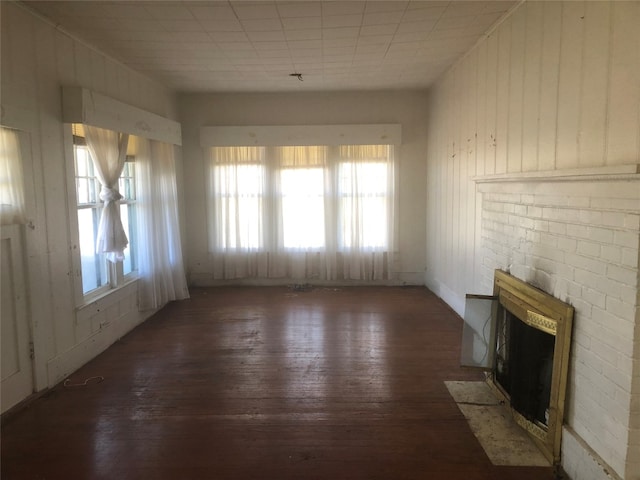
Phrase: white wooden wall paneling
(593, 101)
(502, 98)
(516, 80)
(623, 146)
(531, 86)
(491, 113)
(549, 71)
(571, 46)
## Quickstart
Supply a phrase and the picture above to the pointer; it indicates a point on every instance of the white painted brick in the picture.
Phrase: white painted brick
(582, 340)
(621, 309)
(590, 216)
(528, 199)
(599, 234)
(586, 263)
(582, 308)
(588, 248)
(589, 279)
(613, 219)
(626, 239)
(567, 244)
(623, 398)
(594, 297)
(629, 258)
(606, 319)
(579, 202)
(619, 378)
(534, 212)
(558, 228)
(541, 225)
(549, 213)
(492, 207)
(557, 200)
(628, 204)
(626, 293)
(614, 428)
(547, 249)
(509, 208)
(584, 374)
(624, 275)
(632, 222)
(574, 230)
(548, 239)
(545, 265)
(533, 236)
(520, 210)
(574, 289)
(606, 352)
(611, 253)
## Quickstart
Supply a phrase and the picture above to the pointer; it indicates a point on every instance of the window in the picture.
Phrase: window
(363, 190)
(11, 186)
(237, 181)
(308, 205)
(302, 196)
(97, 273)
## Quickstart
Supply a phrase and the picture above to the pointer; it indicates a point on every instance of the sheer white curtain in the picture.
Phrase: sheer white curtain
(300, 188)
(161, 276)
(11, 181)
(302, 212)
(237, 186)
(108, 151)
(366, 204)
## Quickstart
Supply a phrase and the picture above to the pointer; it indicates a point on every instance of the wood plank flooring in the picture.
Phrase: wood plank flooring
(265, 383)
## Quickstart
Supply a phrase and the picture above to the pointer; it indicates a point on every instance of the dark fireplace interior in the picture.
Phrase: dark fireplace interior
(524, 364)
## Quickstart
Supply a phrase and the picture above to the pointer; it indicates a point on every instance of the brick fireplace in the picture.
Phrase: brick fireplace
(576, 235)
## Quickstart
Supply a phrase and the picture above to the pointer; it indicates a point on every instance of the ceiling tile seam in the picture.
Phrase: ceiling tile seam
(395, 32)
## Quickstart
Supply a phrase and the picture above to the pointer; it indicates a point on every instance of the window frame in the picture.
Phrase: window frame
(116, 278)
(273, 198)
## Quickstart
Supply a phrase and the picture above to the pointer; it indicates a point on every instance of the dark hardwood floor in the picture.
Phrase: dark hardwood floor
(265, 383)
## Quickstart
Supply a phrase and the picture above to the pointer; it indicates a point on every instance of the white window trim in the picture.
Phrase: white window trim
(302, 135)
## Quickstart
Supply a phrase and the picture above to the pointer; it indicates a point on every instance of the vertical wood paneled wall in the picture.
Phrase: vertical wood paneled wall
(37, 60)
(556, 86)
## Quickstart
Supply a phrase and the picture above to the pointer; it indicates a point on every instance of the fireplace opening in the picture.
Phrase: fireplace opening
(524, 364)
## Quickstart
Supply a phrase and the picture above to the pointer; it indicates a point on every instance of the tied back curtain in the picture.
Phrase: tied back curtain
(302, 212)
(11, 182)
(161, 276)
(108, 151)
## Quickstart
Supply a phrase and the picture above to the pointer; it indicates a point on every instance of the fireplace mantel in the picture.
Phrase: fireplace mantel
(607, 173)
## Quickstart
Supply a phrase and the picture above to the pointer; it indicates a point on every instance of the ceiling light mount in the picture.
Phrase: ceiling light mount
(297, 75)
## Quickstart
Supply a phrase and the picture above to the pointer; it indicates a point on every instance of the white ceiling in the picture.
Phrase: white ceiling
(234, 46)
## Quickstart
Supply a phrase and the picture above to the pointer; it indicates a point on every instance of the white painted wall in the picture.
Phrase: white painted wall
(37, 60)
(405, 108)
(555, 87)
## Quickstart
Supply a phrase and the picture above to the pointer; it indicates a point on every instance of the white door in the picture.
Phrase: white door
(16, 354)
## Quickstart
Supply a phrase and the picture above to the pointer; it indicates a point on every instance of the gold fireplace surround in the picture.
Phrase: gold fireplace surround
(550, 315)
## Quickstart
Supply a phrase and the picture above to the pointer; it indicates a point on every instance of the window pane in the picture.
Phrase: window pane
(240, 190)
(94, 270)
(126, 183)
(303, 207)
(363, 205)
(127, 215)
